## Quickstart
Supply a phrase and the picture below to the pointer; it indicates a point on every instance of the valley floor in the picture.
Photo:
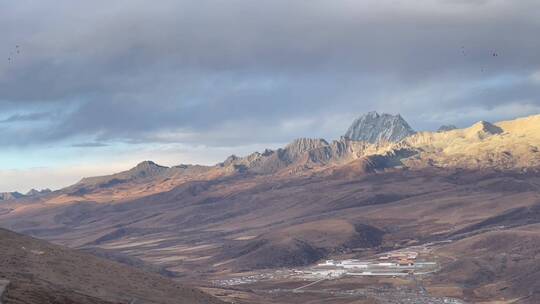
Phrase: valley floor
(369, 281)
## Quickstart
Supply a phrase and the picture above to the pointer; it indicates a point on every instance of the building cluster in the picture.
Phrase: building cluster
(392, 259)
(346, 264)
(323, 273)
(401, 258)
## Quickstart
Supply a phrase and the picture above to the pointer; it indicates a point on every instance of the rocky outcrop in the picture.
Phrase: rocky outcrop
(445, 128)
(6, 196)
(299, 147)
(377, 128)
(34, 192)
(144, 169)
(304, 153)
(483, 129)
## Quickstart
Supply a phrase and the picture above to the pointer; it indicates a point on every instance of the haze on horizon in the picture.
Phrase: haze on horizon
(94, 88)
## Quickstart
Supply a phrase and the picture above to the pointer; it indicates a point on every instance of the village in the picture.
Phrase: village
(393, 264)
(323, 278)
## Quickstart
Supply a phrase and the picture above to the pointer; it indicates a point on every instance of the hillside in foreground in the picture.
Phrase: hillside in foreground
(37, 272)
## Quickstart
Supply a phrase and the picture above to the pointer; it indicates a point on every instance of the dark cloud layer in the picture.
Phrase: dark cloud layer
(240, 71)
(89, 145)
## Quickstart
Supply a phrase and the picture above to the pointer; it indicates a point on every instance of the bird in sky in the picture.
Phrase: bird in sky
(12, 54)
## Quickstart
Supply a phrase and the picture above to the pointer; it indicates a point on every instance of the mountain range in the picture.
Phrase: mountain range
(475, 191)
(509, 145)
(4, 196)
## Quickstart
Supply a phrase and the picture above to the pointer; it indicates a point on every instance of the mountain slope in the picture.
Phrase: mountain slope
(504, 145)
(39, 273)
(6, 196)
(495, 265)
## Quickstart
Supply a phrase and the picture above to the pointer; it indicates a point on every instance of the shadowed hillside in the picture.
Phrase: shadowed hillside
(41, 273)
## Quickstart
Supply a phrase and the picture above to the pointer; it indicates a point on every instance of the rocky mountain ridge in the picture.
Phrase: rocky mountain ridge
(5, 196)
(376, 128)
(503, 145)
(445, 128)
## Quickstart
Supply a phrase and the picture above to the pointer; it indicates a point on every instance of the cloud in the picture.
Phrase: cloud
(89, 145)
(535, 77)
(26, 117)
(237, 72)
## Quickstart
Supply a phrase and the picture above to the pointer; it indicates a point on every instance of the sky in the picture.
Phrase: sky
(94, 87)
